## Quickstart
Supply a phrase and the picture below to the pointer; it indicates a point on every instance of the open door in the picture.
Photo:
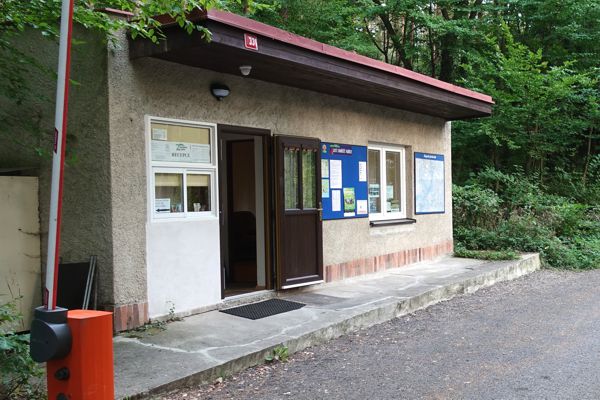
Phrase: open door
(245, 206)
(298, 212)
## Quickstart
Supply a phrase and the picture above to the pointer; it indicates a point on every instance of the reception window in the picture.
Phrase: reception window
(387, 182)
(182, 168)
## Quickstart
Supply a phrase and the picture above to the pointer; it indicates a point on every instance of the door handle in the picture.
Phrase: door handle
(320, 209)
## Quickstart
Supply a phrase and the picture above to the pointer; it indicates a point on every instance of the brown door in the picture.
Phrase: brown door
(298, 211)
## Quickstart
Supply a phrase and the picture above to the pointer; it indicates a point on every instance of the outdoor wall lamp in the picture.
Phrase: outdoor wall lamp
(245, 69)
(219, 90)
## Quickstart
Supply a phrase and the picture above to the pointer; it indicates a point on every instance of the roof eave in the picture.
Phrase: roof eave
(311, 65)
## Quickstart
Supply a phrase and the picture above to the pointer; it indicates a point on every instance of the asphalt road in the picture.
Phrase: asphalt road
(534, 338)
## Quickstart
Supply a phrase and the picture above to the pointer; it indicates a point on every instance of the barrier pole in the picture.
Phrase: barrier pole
(58, 156)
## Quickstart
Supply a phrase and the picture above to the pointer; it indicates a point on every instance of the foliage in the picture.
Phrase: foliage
(19, 374)
(336, 22)
(279, 353)
(491, 255)
(538, 59)
(510, 212)
(545, 117)
(18, 66)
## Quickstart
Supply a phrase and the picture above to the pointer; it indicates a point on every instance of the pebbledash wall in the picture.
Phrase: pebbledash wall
(86, 221)
(148, 282)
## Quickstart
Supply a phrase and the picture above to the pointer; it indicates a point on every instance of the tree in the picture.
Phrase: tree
(543, 117)
(16, 16)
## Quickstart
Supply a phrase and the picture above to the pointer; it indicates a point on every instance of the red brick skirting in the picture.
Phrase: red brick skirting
(363, 266)
(129, 316)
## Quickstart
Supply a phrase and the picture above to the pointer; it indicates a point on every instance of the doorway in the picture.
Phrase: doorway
(244, 194)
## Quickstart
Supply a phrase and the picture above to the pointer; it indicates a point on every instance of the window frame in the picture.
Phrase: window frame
(184, 168)
(383, 215)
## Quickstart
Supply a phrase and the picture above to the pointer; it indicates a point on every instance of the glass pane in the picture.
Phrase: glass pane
(374, 181)
(198, 192)
(392, 176)
(180, 143)
(168, 194)
(290, 178)
(309, 179)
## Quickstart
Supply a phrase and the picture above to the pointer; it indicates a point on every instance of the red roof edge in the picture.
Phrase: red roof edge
(318, 47)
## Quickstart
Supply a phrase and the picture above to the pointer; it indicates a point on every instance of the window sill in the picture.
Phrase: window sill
(390, 222)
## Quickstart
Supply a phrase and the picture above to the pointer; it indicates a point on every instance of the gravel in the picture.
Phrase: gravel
(537, 337)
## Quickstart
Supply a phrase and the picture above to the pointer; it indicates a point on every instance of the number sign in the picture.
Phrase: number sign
(250, 42)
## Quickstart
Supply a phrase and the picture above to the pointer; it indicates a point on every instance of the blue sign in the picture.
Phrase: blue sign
(344, 181)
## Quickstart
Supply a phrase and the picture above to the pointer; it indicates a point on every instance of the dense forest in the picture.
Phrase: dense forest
(527, 178)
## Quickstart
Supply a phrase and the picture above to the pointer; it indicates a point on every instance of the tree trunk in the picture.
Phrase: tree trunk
(588, 157)
(447, 42)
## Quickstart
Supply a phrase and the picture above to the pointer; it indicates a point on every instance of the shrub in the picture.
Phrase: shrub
(510, 212)
(20, 376)
(475, 205)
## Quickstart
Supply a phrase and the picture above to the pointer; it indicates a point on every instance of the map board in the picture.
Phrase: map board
(344, 191)
(430, 193)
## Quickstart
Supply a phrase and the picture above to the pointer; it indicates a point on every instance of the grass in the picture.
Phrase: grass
(490, 255)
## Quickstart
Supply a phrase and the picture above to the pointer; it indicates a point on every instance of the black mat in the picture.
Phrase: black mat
(264, 308)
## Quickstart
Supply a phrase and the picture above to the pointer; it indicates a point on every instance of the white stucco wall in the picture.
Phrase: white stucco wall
(183, 265)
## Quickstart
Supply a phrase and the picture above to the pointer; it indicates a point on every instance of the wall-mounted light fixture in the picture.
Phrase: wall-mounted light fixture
(245, 69)
(219, 90)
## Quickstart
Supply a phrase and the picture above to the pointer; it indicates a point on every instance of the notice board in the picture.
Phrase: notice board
(344, 181)
(430, 191)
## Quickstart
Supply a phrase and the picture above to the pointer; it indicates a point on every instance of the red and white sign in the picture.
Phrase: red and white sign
(250, 42)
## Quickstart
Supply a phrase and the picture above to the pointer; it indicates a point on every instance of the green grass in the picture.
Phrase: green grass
(491, 255)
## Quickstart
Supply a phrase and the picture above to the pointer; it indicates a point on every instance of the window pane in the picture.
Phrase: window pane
(168, 194)
(309, 179)
(180, 143)
(290, 178)
(198, 192)
(392, 171)
(374, 181)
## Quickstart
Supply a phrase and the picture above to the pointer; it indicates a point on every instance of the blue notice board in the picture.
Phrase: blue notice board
(344, 181)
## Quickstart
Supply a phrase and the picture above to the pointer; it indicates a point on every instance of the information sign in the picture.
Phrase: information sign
(430, 193)
(344, 181)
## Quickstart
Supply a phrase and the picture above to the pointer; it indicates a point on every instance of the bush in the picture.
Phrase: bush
(20, 376)
(492, 255)
(475, 205)
(509, 212)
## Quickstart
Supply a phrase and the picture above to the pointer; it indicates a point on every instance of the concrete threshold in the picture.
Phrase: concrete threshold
(203, 347)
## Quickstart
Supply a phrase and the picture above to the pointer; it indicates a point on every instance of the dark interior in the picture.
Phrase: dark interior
(241, 271)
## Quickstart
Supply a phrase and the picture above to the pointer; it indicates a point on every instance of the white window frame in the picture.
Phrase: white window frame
(184, 168)
(384, 215)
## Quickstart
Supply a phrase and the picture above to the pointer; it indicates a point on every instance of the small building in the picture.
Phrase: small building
(260, 160)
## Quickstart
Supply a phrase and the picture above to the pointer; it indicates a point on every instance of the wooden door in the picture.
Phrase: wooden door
(298, 211)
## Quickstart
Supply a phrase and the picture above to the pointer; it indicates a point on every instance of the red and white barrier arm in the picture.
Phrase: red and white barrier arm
(58, 156)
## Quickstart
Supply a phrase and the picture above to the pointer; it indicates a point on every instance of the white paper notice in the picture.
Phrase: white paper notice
(162, 205)
(335, 174)
(361, 206)
(180, 152)
(159, 134)
(324, 168)
(325, 188)
(336, 200)
(362, 171)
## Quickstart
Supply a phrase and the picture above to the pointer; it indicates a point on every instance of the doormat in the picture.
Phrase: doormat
(264, 308)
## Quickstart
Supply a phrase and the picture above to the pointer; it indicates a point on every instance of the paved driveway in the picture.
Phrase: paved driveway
(534, 338)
